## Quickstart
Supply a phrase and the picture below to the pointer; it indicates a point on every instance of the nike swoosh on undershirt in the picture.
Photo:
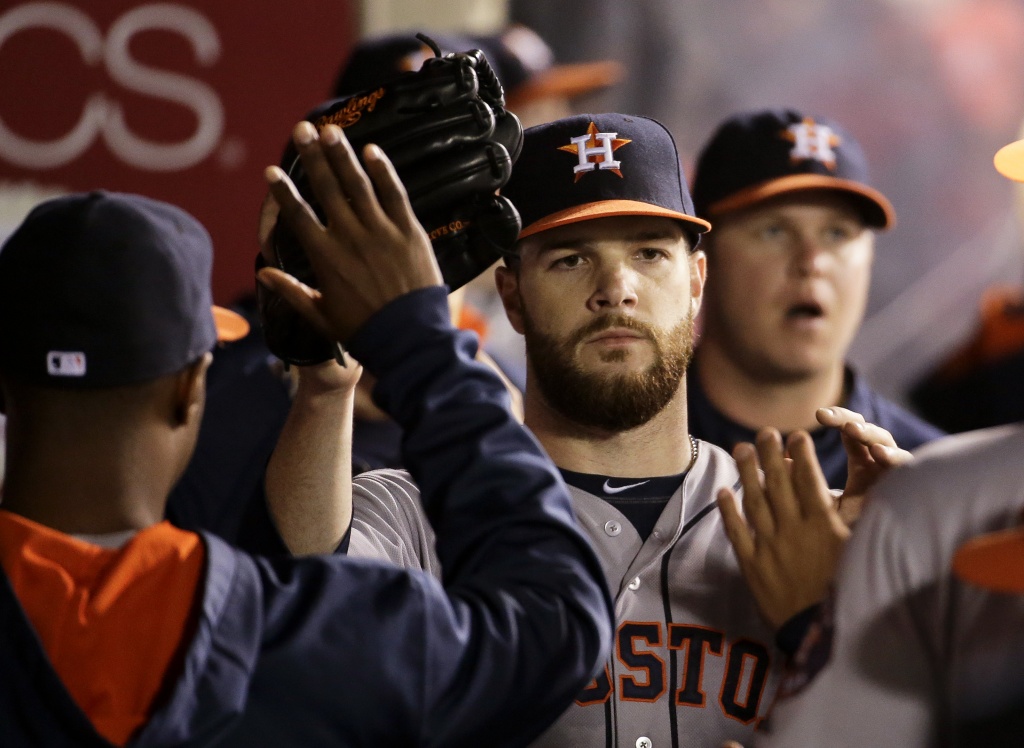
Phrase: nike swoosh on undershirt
(620, 489)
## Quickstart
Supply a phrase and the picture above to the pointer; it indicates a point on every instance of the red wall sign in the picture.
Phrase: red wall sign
(181, 101)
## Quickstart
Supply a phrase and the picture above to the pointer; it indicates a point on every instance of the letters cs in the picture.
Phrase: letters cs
(104, 118)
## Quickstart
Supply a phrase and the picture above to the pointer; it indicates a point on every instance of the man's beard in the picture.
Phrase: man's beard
(610, 402)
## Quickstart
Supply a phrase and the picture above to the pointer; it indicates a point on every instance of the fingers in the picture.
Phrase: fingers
(735, 527)
(297, 294)
(890, 456)
(868, 434)
(836, 417)
(391, 192)
(295, 210)
(778, 484)
(356, 189)
(352, 196)
(755, 506)
(269, 211)
(809, 482)
(329, 182)
(853, 425)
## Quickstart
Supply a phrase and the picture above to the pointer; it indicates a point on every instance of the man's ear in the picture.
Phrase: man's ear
(698, 275)
(190, 392)
(507, 281)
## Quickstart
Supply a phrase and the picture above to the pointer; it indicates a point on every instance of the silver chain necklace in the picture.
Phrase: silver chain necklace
(693, 452)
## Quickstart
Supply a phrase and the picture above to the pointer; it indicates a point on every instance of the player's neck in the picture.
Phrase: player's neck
(786, 404)
(658, 447)
(92, 489)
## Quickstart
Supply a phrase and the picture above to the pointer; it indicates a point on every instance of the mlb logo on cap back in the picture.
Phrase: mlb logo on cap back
(65, 364)
(759, 155)
(598, 165)
(107, 289)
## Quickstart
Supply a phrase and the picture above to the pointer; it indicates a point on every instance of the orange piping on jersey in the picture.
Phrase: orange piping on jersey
(110, 620)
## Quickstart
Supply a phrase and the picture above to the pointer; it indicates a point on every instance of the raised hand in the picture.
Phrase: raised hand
(789, 544)
(870, 451)
(371, 250)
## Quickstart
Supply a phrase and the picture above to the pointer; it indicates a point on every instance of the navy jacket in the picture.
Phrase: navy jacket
(221, 490)
(909, 431)
(342, 652)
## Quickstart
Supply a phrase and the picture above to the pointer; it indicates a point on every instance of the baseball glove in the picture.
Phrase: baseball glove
(452, 142)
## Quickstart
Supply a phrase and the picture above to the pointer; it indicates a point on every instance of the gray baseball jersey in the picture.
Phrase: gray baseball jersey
(908, 654)
(693, 662)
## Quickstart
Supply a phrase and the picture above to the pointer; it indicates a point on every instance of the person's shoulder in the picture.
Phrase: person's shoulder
(387, 496)
(395, 483)
(981, 449)
(919, 514)
(964, 474)
(389, 521)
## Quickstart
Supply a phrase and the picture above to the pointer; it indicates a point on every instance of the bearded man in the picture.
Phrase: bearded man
(604, 283)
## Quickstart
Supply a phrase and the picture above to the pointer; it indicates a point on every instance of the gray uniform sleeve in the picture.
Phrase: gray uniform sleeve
(863, 675)
(912, 653)
(388, 522)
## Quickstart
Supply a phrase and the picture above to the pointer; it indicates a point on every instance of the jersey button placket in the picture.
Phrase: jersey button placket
(635, 584)
(644, 743)
(612, 527)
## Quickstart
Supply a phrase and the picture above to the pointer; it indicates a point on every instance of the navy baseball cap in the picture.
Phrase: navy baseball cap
(103, 289)
(522, 61)
(759, 155)
(597, 165)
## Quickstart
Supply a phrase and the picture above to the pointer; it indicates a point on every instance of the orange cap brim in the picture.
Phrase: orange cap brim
(607, 208)
(568, 80)
(884, 214)
(230, 326)
(994, 561)
(1009, 161)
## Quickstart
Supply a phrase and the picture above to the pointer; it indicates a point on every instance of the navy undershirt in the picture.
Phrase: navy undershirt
(641, 500)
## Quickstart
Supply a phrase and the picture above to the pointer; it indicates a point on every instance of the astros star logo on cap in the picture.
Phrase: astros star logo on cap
(595, 150)
(812, 141)
(649, 179)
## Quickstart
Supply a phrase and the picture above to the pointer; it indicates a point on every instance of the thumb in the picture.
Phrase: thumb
(302, 298)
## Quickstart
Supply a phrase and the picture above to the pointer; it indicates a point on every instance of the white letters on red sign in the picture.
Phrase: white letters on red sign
(102, 117)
